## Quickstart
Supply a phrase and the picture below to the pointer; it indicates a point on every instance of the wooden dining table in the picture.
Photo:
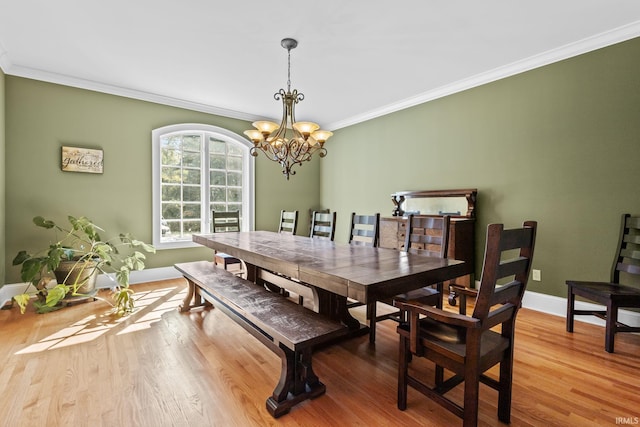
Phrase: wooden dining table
(331, 272)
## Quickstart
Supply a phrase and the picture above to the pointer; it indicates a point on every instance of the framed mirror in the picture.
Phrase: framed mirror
(455, 203)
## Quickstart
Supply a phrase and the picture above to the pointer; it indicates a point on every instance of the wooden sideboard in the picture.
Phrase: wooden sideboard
(461, 241)
(462, 238)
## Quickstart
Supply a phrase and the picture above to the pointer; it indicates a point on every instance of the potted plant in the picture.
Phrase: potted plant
(76, 257)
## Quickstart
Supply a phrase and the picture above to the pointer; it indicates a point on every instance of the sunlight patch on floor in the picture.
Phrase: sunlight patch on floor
(150, 306)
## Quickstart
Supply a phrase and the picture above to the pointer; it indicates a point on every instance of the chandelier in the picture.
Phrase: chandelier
(291, 142)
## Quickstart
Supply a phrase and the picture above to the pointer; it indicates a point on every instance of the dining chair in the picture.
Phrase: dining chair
(468, 346)
(288, 225)
(613, 295)
(288, 222)
(425, 235)
(311, 211)
(226, 222)
(364, 230)
(323, 225)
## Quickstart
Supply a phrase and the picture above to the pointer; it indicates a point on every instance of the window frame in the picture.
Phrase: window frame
(248, 179)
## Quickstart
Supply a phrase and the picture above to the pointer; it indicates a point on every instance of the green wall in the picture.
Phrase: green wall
(558, 144)
(2, 176)
(41, 117)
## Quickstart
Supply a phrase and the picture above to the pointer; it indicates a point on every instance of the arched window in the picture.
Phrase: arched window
(196, 169)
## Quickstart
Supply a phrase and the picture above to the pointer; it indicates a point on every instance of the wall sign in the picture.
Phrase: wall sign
(76, 159)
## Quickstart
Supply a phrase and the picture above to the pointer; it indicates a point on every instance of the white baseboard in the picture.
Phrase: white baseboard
(558, 306)
(8, 291)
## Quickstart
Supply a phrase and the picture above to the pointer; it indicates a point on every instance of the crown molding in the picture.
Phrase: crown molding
(5, 64)
(45, 76)
(570, 50)
(589, 44)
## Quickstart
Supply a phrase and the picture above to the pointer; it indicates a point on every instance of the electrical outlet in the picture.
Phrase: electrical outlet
(536, 275)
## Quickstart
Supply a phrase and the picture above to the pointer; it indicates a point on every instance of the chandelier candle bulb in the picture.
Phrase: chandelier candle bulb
(291, 142)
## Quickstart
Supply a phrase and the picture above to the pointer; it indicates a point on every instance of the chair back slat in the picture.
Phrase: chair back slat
(515, 239)
(628, 257)
(225, 221)
(512, 267)
(635, 239)
(323, 225)
(364, 230)
(632, 221)
(288, 222)
(505, 293)
(499, 243)
(633, 253)
(629, 268)
(504, 313)
(427, 235)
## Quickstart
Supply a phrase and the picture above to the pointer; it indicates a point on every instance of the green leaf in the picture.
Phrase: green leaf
(55, 254)
(32, 268)
(42, 308)
(44, 223)
(104, 251)
(21, 257)
(22, 300)
(55, 294)
(122, 276)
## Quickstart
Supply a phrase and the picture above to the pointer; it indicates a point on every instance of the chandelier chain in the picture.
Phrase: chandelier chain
(289, 70)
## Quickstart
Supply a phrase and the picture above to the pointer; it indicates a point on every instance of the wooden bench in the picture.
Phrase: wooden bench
(288, 329)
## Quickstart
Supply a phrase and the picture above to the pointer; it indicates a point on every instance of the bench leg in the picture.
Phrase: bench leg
(193, 298)
(297, 382)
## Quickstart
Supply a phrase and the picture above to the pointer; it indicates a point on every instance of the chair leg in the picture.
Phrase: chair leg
(371, 314)
(463, 305)
(439, 375)
(571, 300)
(403, 369)
(471, 381)
(610, 330)
(440, 288)
(471, 391)
(504, 392)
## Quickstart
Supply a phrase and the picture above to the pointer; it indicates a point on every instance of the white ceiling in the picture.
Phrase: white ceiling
(355, 60)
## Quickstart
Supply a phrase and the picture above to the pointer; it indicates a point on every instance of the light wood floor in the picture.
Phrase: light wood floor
(158, 367)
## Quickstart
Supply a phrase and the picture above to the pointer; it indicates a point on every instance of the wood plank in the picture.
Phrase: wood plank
(159, 367)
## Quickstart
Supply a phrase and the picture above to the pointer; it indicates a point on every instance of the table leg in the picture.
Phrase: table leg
(335, 307)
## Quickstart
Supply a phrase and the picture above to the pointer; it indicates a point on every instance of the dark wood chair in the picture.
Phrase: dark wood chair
(612, 294)
(226, 222)
(288, 222)
(323, 225)
(467, 345)
(425, 235)
(364, 231)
